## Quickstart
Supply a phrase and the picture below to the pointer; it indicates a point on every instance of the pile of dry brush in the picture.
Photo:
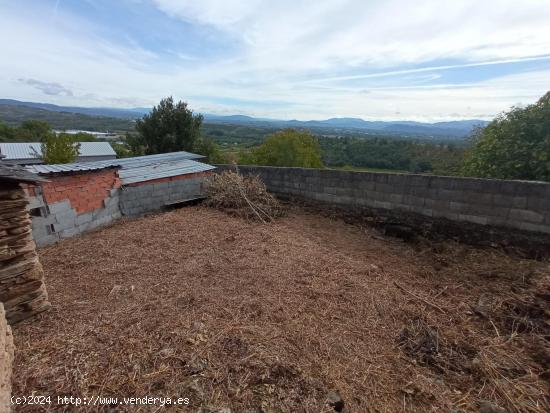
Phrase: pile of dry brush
(244, 196)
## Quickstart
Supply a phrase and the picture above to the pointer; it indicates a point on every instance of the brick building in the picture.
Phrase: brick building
(82, 196)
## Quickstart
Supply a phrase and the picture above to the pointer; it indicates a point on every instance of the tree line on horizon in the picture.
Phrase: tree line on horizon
(515, 145)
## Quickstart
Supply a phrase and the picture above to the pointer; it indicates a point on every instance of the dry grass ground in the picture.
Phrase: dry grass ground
(271, 318)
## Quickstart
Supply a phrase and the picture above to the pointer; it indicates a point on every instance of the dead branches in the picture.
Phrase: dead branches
(244, 196)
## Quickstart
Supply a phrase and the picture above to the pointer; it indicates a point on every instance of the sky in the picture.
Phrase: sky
(424, 60)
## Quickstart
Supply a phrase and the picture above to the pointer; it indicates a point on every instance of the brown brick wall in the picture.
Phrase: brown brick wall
(85, 191)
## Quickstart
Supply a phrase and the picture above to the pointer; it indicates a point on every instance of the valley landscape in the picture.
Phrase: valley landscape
(254, 206)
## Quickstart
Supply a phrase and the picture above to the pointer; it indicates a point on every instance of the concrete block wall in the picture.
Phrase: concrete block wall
(499, 203)
(149, 196)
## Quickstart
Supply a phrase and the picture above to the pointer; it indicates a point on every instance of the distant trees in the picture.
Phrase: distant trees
(208, 148)
(84, 137)
(28, 131)
(288, 147)
(121, 150)
(7, 133)
(516, 145)
(62, 148)
(411, 155)
(33, 130)
(170, 127)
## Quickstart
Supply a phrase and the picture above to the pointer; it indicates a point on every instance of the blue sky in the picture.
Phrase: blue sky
(301, 59)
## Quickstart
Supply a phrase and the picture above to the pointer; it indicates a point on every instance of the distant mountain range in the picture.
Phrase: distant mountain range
(108, 112)
(457, 129)
(453, 129)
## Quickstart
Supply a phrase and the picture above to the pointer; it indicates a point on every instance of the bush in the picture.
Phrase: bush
(286, 148)
(59, 149)
(516, 145)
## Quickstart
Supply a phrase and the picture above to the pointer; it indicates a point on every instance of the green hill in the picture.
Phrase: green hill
(13, 115)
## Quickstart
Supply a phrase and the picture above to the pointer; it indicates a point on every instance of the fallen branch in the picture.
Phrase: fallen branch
(419, 298)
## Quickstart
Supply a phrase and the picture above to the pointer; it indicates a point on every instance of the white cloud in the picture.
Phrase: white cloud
(48, 88)
(302, 54)
(334, 33)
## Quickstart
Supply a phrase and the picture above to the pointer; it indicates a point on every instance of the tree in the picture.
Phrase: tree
(84, 137)
(34, 130)
(288, 147)
(170, 127)
(209, 148)
(6, 132)
(516, 145)
(122, 150)
(59, 149)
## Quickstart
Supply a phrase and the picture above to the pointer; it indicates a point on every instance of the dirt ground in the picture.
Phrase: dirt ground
(307, 314)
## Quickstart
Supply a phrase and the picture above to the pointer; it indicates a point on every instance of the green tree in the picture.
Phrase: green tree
(33, 130)
(7, 133)
(288, 147)
(122, 150)
(84, 137)
(516, 145)
(209, 148)
(170, 127)
(62, 148)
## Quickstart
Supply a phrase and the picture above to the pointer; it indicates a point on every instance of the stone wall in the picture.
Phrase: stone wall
(495, 203)
(71, 204)
(143, 197)
(6, 362)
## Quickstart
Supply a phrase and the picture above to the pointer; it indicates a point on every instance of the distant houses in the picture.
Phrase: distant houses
(109, 136)
(26, 153)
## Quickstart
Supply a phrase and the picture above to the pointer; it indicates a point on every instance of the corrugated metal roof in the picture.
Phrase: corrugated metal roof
(130, 175)
(16, 173)
(137, 169)
(123, 162)
(32, 150)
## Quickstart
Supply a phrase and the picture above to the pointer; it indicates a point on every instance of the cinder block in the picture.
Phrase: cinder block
(366, 185)
(396, 198)
(497, 221)
(425, 211)
(537, 203)
(68, 233)
(526, 215)
(413, 200)
(450, 195)
(344, 200)
(419, 180)
(83, 219)
(474, 219)
(382, 204)
(344, 191)
(59, 207)
(66, 216)
(527, 226)
(382, 187)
